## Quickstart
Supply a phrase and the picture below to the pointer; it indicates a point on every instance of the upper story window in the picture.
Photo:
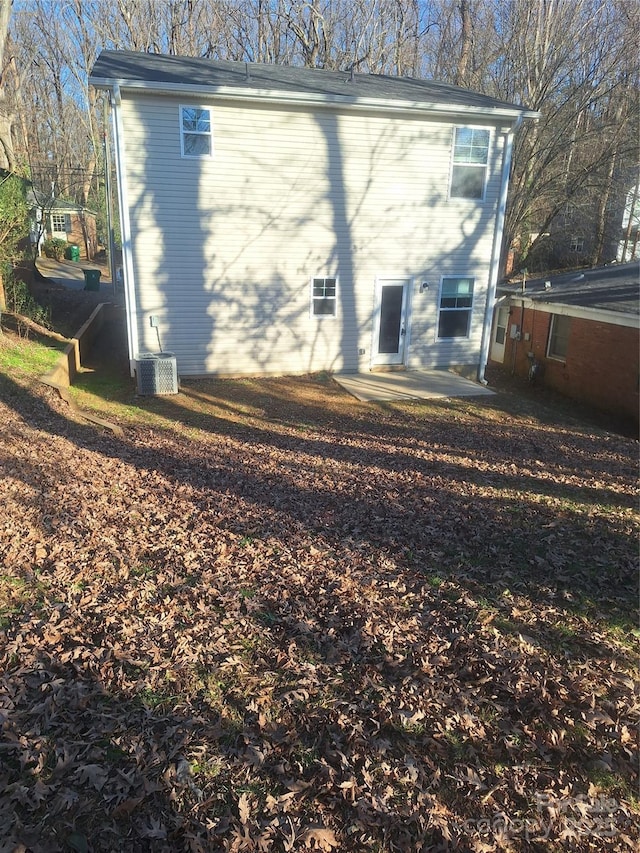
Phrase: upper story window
(577, 244)
(470, 160)
(324, 297)
(196, 137)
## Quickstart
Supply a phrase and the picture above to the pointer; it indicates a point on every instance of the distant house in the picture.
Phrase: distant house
(574, 239)
(64, 220)
(580, 332)
(279, 219)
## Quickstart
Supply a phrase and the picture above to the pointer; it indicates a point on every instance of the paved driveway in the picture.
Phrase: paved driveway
(410, 385)
(70, 274)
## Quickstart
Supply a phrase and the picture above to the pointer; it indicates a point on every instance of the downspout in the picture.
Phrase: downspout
(125, 230)
(109, 192)
(497, 247)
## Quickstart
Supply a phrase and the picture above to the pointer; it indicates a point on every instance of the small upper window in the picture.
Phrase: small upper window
(470, 159)
(195, 132)
(559, 336)
(324, 297)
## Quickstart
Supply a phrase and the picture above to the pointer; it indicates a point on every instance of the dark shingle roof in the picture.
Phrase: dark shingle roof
(147, 70)
(612, 288)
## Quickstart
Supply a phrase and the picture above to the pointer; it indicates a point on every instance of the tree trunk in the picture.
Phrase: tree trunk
(7, 158)
(464, 7)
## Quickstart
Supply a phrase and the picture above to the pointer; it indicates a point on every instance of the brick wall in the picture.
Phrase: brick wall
(83, 235)
(601, 367)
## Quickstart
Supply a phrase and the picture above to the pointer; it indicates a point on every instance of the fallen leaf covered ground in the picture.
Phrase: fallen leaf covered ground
(272, 618)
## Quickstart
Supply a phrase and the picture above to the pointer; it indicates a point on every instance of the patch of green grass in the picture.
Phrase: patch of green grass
(114, 754)
(610, 783)
(17, 593)
(154, 699)
(30, 357)
(624, 633)
(104, 385)
(208, 768)
(456, 744)
(304, 757)
(505, 626)
(144, 570)
(267, 618)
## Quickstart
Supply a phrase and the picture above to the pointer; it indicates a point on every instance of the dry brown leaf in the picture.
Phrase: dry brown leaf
(324, 839)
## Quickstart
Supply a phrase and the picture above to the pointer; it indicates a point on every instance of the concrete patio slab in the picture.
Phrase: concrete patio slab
(410, 385)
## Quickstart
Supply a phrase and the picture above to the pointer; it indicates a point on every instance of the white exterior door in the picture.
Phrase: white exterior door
(391, 328)
(500, 334)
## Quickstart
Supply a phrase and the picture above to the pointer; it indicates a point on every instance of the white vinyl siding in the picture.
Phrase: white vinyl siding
(224, 249)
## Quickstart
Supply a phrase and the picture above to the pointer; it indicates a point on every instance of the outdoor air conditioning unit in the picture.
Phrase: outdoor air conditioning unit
(157, 373)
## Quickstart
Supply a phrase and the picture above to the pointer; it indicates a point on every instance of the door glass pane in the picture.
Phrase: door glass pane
(501, 325)
(390, 318)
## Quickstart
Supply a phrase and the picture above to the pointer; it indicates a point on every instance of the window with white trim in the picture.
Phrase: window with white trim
(456, 302)
(559, 336)
(470, 160)
(577, 244)
(324, 297)
(196, 136)
(59, 222)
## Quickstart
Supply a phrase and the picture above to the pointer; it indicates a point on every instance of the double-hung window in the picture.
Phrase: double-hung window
(196, 137)
(456, 301)
(324, 297)
(470, 160)
(559, 336)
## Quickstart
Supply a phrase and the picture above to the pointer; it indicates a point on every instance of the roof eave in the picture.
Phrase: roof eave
(619, 317)
(311, 99)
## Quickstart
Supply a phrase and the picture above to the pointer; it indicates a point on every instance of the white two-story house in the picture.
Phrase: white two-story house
(279, 220)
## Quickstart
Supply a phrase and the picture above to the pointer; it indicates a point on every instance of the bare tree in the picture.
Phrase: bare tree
(7, 157)
(574, 61)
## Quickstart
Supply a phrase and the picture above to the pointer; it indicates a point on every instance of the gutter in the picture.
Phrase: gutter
(125, 228)
(276, 96)
(582, 312)
(497, 246)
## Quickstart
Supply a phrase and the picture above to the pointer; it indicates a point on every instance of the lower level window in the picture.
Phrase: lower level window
(59, 223)
(559, 336)
(324, 297)
(456, 300)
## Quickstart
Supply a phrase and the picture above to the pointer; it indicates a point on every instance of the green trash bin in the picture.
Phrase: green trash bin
(91, 279)
(72, 253)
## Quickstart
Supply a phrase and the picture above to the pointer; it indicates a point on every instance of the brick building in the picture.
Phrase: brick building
(578, 333)
(63, 220)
